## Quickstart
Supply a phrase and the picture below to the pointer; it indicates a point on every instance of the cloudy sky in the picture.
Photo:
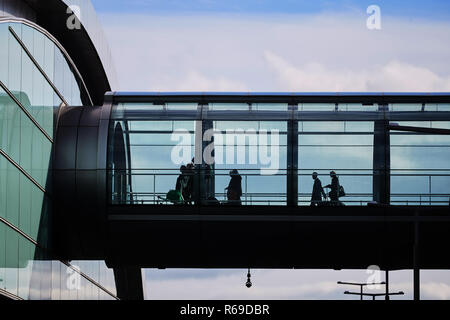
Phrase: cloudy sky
(283, 45)
(278, 45)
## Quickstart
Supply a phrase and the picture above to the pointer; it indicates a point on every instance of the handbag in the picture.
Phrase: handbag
(341, 191)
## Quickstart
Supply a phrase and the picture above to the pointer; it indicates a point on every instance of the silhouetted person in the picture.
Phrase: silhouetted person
(334, 186)
(190, 173)
(183, 182)
(234, 189)
(317, 191)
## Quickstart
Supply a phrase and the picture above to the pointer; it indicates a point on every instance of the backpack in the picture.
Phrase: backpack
(174, 196)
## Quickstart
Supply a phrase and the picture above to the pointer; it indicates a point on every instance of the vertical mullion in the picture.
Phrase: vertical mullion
(292, 158)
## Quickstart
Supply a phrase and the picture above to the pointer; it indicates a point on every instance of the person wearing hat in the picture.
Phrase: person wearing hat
(317, 191)
(334, 186)
(234, 189)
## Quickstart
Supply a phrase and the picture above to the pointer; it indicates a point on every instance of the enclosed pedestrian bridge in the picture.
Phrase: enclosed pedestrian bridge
(224, 180)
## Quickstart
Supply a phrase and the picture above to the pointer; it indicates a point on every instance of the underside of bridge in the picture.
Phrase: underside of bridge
(279, 237)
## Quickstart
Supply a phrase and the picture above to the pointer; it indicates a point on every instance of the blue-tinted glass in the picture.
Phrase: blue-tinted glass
(26, 187)
(182, 106)
(56, 280)
(14, 61)
(37, 202)
(229, 106)
(3, 185)
(316, 107)
(11, 273)
(26, 256)
(10, 123)
(440, 124)
(12, 195)
(443, 107)
(405, 107)
(2, 254)
(4, 52)
(322, 126)
(270, 106)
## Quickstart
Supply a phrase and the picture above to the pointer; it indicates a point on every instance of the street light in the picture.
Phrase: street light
(361, 285)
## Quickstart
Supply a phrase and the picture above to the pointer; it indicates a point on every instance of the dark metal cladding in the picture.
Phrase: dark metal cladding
(79, 173)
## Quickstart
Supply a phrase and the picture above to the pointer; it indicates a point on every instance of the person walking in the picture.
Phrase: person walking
(234, 189)
(334, 188)
(317, 192)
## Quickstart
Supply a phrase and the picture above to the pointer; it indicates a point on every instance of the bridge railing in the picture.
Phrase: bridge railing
(150, 186)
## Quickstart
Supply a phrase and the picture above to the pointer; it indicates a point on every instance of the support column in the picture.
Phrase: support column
(381, 160)
(292, 159)
(387, 284)
(208, 174)
(416, 257)
(129, 283)
(204, 181)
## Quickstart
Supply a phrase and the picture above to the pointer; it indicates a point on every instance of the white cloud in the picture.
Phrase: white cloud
(267, 284)
(278, 53)
(436, 290)
(394, 76)
(196, 81)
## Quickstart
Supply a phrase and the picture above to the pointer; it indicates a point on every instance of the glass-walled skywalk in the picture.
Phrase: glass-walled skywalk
(262, 149)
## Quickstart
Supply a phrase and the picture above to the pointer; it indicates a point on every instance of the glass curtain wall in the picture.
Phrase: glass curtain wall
(31, 93)
(345, 147)
(420, 167)
(245, 144)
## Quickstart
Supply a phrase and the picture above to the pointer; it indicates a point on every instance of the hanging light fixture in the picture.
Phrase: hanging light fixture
(248, 284)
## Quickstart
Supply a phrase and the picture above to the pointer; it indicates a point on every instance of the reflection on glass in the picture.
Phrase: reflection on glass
(420, 168)
(157, 150)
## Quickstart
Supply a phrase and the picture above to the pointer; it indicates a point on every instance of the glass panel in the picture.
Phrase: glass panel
(12, 195)
(405, 107)
(317, 106)
(37, 205)
(26, 187)
(182, 106)
(431, 107)
(4, 53)
(22, 140)
(3, 185)
(323, 126)
(24, 270)
(358, 107)
(11, 267)
(26, 256)
(420, 167)
(21, 201)
(229, 106)
(270, 106)
(158, 154)
(350, 155)
(14, 61)
(443, 107)
(10, 125)
(56, 280)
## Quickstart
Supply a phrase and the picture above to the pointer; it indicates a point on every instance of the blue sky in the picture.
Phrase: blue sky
(432, 9)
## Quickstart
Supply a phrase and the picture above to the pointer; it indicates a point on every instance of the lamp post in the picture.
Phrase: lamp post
(361, 285)
(361, 293)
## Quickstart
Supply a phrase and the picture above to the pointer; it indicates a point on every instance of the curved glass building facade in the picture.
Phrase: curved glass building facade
(38, 79)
